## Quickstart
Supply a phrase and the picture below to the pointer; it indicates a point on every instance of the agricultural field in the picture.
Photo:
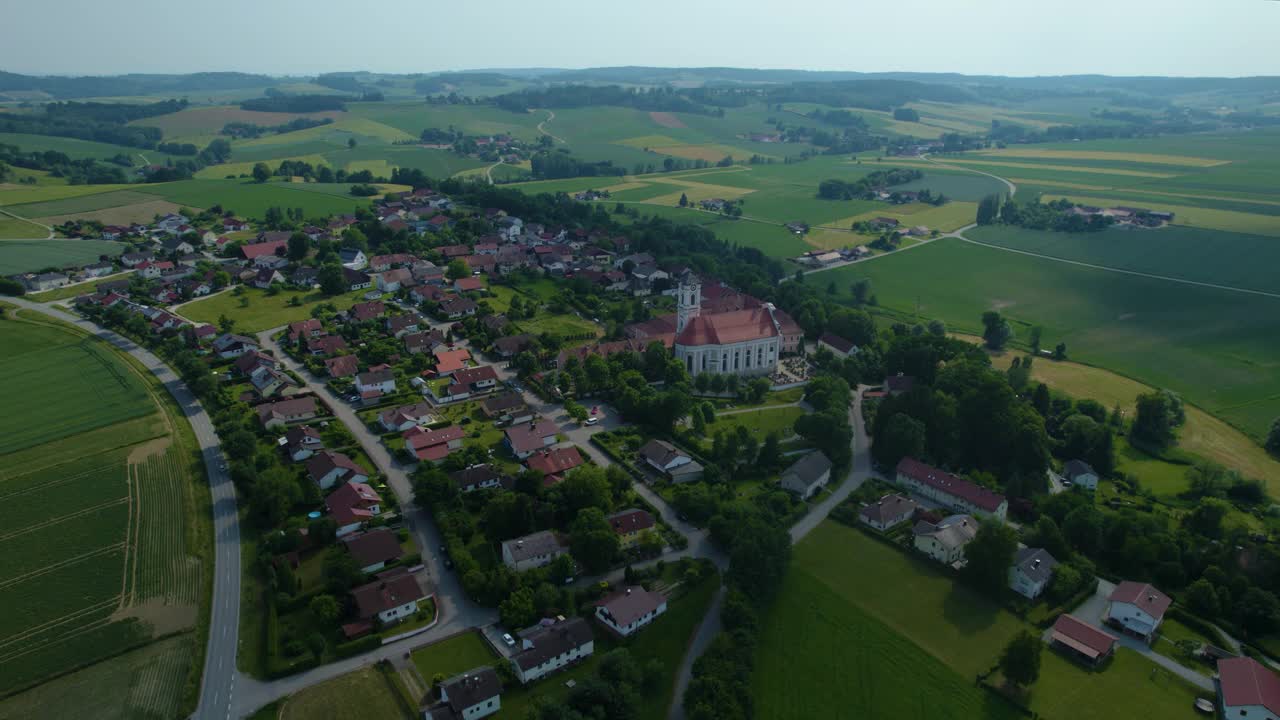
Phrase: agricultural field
(12, 228)
(108, 489)
(18, 256)
(253, 310)
(366, 693)
(200, 121)
(1162, 333)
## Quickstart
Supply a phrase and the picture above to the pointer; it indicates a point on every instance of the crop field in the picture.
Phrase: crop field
(1163, 333)
(109, 549)
(210, 120)
(236, 169)
(11, 195)
(263, 311)
(83, 203)
(1200, 217)
(1148, 158)
(79, 149)
(251, 200)
(13, 228)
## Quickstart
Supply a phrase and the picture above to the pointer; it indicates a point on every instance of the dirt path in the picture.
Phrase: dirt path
(488, 172)
(550, 116)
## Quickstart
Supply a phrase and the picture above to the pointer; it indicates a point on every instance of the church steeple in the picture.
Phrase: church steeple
(688, 300)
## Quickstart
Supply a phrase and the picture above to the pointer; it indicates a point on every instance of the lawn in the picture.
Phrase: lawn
(1162, 333)
(1130, 686)
(83, 203)
(251, 200)
(11, 228)
(564, 325)
(263, 311)
(453, 656)
(365, 693)
(759, 422)
(19, 256)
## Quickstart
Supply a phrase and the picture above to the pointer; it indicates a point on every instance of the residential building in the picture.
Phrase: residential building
(353, 258)
(457, 308)
(1137, 608)
(630, 526)
(1248, 690)
(352, 505)
(355, 279)
(229, 346)
(952, 491)
(404, 417)
(1031, 571)
(342, 366)
(508, 407)
(1081, 641)
(663, 456)
(433, 445)
(512, 345)
(837, 345)
(325, 345)
(422, 342)
(474, 694)
(525, 440)
(480, 477)
(374, 549)
(897, 384)
(401, 325)
(1080, 474)
(945, 541)
(554, 463)
(480, 379)
(45, 281)
(888, 511)
(284, 412)
(301, 442)
(450, 361)
(551, 647)
(389, 599)
(327, 468)
(807, 475)
(379, 381)
(366, 311)
(627, 611)
(532, 551)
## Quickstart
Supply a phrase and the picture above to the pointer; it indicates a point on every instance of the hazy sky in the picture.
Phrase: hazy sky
(302, 37)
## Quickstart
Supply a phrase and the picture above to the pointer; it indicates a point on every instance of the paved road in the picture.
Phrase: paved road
(219, 678)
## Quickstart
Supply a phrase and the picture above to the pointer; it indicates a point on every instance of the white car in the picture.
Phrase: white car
(593, 420)
(508, 640)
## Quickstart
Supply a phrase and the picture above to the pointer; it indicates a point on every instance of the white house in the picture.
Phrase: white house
(390, 599)
(1137, 608)
(887, 512)
(374, 549)
(1248, 690)
(807, 475)
(945, 541)
(352, 505)
(1031, 571)
(663, 456)
(532, 551)
(327, 468)
(551, 646)
(473, 694)
(353, 258)
(630, 609)
(383, 381)
(1080, 474)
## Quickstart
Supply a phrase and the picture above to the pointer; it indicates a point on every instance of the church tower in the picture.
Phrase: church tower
(688, 300)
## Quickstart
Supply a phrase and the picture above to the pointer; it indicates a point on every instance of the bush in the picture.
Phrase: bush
(356, 647)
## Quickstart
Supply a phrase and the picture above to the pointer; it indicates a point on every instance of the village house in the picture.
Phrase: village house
(266, 277)
(393, 280)
(1137, 608)
(400, 325)
(507, 408)
(372, 550)
(480, 379)
(381, 382)
(630, 526)
(325, 345)
(301, 442)
(807, 475)
(480, 477)
(352, 505)
(945, 541)
(554, 463)
(898, 384)
(552, 646)
(228, 346)
(390, 599)
(327, 468)
(449, 362)
(352, 258)
(284, 412)
(532, 551)
(1031, 572)
(253, 251)
(1081, 641)
(457, 308)
(422, 342)
(134, 259)
(356, 280)
(837, 345)
(366, 311)
(473, 694)
(98, 269)
(1248, 690)
(524, 440)
(342, 366)
(305, 328)
(433, 445)
(1080, 474)
(399, 419)
(630, 609)
(177, 245)
(888, 512)
(512, 345)
(663, 456)
(952, 491)
(45, 281)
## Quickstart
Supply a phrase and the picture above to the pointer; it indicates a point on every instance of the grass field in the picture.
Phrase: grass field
(14, 228)
(365, 693)
(112, 549)
(760, 422)
(1130, 686)
(83, 203)
(263, 311)
(1148, 158)
(1198, 217)
(22, 194)
(1162, 333)
(453, 656)
(562, 325)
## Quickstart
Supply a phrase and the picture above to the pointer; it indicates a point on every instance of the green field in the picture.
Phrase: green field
(365, 693)
(13, 228)
(453, 656)
(1163, 333)
(760, 422)
(19, 256)
(251, 200)
(263, 311)
(111, 547)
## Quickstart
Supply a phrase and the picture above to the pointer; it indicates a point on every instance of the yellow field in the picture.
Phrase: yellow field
(649, 141)
(696, 191)
(1228, 220)
(709, 152)
(217, 172)
(1148, 158)
(1061, 168)
(1203, 434)
(358, 126)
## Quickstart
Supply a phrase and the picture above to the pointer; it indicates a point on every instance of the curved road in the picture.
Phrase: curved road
(218, 681)
(550, 116)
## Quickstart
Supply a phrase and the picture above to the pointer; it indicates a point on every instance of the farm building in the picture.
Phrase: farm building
(1080, 640)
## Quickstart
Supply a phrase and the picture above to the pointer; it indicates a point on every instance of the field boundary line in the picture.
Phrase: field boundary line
(30, 221)
(55, 483)
(1135, 273)
(42, 627)
(129, 576)
(58, 565)
(59, 520)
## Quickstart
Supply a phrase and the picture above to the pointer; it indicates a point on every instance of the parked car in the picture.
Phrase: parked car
(593, 420)
(508, 640)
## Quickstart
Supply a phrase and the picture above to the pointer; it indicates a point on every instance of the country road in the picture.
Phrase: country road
(218, 680)
(550, 116)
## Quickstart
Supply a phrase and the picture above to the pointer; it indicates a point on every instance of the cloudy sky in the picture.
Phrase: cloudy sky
(1002, 37)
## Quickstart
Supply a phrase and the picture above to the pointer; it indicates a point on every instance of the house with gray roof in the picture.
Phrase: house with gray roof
(1031, 571)
(945, 540)
(807, 475)
(532, 551)
(474, 694)
(551, 646)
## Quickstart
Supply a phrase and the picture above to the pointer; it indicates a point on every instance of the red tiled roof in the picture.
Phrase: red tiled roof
(384, 594)
(1081, 636)
(1246, 682)
(451, 360)
(630, 521)
(727, 328)
(257, 250)
(951, 484)
(555, 461)
(468, 284)
(342, 366)
(467, 376)
(527, 438)
(1147, 598)
(417, 438)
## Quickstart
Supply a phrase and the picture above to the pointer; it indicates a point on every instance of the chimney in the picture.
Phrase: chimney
(1036, 564)
(628, 591)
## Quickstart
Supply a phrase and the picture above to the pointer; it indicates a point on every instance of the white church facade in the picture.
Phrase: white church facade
(740, 342)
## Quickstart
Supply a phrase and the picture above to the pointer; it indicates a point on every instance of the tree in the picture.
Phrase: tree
(332, 281)
(989, 555)
(576, 411)
(684, 200)
(592, 541)
(996, 330)
(1273, 438)
(325, 608)
(299, 245)
(1202, 598)
(1154, 422)
(518, 610)
(1206, 519)
(1047, 535)
(903, 436)
(457, 269)
(861, 291)
(1034, 338)
(937, 328)
(1257, 611)
(351, 143)
(770, 452)
(261, 172)
(1060, 351)
(1020, 661)
(340, 571)
(988, 210)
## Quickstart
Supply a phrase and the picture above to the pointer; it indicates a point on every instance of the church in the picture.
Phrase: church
(746, 341)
